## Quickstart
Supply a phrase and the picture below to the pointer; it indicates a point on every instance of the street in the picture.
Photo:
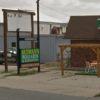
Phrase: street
(18, 94)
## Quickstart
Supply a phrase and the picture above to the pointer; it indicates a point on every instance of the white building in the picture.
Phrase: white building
(51, 35)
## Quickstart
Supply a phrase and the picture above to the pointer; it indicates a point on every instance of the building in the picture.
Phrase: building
(48, 42)
(46, 28)
(49, 27)
(51, 35)
(82, 29)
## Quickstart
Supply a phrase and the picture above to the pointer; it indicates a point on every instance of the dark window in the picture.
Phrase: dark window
(36, 44)
(13, 44)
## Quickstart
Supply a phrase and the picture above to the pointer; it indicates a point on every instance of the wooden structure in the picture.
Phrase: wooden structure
(94, 47)
(82, 29)
(5, 12)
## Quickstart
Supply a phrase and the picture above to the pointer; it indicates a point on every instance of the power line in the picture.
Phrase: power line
(60, 12)
(54, 17)
(54, 10)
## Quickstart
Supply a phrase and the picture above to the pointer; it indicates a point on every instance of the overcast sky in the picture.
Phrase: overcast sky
(67, 7)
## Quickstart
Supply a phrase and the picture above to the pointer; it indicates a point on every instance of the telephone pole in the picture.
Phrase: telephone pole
(38, 33)
(38, 29)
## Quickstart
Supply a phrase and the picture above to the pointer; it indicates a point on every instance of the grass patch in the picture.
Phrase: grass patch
(21, 69)
(97, 95)
(3, 72)
(52, 64)
(22, 73)
(88, 73)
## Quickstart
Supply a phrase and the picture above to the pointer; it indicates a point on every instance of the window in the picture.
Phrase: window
(36, 44)
(64, 29)
(13, 44)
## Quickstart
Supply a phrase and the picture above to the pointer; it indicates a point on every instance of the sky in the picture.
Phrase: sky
(59, 9)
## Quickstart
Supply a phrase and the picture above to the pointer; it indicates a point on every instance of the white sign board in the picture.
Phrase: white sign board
(19, 20)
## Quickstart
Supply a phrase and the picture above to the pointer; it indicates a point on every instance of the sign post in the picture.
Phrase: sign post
(5, 40)
(23, 21)
(14, 19)
(18, 52)
(27, 58)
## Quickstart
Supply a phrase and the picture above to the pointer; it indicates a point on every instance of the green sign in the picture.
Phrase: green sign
(98, 23)
(29, 55)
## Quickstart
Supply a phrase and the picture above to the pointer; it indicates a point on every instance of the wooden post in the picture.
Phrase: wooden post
(32, 34)
(98, 61)
(62, 69)
(5, 40)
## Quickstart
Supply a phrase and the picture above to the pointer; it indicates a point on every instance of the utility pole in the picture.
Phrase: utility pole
(38, 29)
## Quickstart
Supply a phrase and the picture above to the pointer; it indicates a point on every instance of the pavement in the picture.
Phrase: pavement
(16, 94)
(49, 80)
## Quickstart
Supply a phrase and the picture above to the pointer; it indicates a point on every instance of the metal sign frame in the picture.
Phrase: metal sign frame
(34, 64)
